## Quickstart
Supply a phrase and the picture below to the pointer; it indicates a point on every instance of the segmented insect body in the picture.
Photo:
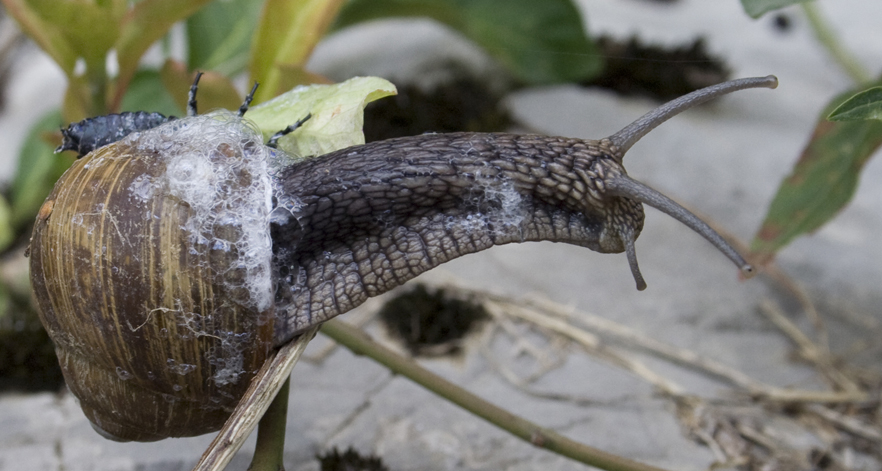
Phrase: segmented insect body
(92, 133)
(99, 131)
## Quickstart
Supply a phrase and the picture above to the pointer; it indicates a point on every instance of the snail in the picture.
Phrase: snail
(167, 264)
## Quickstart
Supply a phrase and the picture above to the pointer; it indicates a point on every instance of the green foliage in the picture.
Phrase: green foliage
(7, 235)
(86, 32)
(219, 36)
(38, 168)
(826, 175)
(756, 8)
(540, 42)
(822, 181)
(283, 41)
(864, 105)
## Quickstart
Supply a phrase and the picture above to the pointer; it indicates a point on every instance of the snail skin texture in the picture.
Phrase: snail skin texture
(166, 265)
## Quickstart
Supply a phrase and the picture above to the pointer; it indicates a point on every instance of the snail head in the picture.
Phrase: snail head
(624, 195)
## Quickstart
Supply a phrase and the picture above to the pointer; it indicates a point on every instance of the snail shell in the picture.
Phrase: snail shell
(152, 276)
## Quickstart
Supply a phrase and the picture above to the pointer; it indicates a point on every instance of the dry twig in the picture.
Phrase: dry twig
(808, 349)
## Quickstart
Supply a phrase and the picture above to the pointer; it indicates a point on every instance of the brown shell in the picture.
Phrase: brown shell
(148, 336)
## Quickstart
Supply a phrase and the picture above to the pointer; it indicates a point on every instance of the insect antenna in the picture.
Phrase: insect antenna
(248, 98)
(191, 97)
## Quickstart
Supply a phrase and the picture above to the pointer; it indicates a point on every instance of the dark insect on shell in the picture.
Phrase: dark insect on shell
(92, 133)
(99, 131)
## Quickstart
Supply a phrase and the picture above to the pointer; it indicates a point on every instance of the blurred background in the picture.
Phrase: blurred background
(797, 192)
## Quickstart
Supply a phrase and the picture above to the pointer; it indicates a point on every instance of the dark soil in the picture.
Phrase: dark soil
(431, 323)
(662, 73)
(463, 104)
(27, 356)
(349, 460)
(466, 103)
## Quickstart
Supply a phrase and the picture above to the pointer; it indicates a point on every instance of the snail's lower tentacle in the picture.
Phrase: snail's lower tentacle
(624, 186)
(631, 251)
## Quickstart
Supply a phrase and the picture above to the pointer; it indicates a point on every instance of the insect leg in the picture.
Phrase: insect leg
(248, 98)
(191, 97)
(274, 141)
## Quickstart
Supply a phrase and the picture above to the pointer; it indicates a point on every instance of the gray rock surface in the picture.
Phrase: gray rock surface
(724, 160)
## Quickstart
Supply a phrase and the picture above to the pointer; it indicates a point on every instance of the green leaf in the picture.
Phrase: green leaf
(821, 183)
(219, 36)
(756, 8)
(540, 42)
(38, 169)
(337, 114)
(7, 232)
(59, 28)
(43, 33)
(865, 105)
(91, 43)
(66, 19)
(145, 23)
(286, 35)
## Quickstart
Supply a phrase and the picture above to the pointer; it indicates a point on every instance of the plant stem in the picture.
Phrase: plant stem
(361, 344)
(262, 391)
(828, 39)
(270, 448)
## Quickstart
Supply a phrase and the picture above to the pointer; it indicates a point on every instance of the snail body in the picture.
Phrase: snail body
(167, 265)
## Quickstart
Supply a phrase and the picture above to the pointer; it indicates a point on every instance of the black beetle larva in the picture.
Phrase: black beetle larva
(92, 133)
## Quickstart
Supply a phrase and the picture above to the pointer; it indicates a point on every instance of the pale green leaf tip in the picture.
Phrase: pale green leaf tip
(865, 105)
(337, 114)
(757, 8)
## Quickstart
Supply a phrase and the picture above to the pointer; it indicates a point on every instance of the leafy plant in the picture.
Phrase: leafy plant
(821, 183)
(865, 105)
(757, 8)
(846, 136)
(537, 44)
